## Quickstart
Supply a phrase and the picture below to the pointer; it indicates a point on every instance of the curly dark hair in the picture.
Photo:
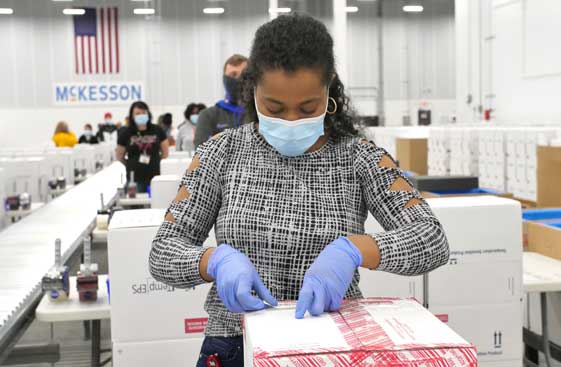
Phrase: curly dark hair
(291, 42)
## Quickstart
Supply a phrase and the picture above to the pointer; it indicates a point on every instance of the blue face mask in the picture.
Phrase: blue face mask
(291, 138)
(194, 119)
(141, 119)
(88, 133)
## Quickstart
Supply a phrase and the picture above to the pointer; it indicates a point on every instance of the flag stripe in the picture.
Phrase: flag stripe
(102, 39)
(117, 37)
(96, 57)
(83, 56)
(76, 54)
(109, 40)
(90, 54)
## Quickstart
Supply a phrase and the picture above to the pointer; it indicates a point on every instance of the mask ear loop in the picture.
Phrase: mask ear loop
(331, 99)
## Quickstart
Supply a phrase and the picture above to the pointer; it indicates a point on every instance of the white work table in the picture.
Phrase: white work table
(74, 310)
(542, 274)
(141, 199)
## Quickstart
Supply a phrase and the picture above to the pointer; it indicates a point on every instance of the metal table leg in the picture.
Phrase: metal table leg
(96, 342)
(545, 329)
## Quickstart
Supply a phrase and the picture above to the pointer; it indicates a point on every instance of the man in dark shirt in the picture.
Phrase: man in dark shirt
(227, 113)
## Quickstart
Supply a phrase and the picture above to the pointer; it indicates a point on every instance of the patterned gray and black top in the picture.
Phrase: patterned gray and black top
(282, 211)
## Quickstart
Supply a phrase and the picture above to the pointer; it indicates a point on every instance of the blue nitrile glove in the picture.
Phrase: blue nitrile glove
(327, 280)
(235, 277)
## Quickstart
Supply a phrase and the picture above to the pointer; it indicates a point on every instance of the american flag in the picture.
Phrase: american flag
(96, 41)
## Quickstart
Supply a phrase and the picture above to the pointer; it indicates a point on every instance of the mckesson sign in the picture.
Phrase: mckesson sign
(72, 94)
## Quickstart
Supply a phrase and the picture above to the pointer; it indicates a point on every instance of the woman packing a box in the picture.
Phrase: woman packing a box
(288, 196)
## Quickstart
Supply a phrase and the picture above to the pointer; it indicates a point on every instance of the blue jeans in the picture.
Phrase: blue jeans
(229, 351)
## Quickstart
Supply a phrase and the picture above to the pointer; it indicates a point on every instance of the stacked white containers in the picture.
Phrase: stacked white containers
(174, 166)
(84, 157)
(439, 152)
(521, 173)
(492, 159)
(464, 151)
(150, 322)
(25, 175)
(478, 293)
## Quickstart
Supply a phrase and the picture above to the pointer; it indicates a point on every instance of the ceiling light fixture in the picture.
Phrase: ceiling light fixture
(6, 11)
(351, 9)
(73, 11)
(213, 10)
(279, 10)
(144, 11)
(413, 8)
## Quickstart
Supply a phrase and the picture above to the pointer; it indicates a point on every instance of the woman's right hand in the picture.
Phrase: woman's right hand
(235, 277)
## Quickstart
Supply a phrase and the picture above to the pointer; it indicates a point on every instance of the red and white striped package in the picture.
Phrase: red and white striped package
(369, 332)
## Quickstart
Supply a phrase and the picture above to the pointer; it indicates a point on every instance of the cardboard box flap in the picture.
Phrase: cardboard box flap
(365, 332)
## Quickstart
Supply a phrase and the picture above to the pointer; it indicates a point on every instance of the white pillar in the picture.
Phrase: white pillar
(340, 37)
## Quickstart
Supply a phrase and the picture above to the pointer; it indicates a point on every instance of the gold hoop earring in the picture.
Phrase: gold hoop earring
(335, 106)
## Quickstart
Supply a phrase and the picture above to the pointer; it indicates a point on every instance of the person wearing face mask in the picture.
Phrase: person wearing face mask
(288, 196)
(141, 146)
(228, 113)
(186, 130)
(88, 136)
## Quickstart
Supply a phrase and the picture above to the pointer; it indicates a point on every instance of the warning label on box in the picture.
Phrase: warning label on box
(193, 326)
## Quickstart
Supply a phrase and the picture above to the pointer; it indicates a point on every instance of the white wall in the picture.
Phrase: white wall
(509, 59)
(179, 53)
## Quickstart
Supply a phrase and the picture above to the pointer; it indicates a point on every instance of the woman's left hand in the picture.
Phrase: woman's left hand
(327, 280)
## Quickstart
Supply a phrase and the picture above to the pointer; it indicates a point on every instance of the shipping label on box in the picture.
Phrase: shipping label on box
(370, 332)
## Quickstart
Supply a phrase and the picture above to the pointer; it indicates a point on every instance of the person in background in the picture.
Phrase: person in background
(228, 113)
(167, 126)
(63, 137)
(141, 146)
(186, 130)
(106, 128)
(88, 136)
(288, 196)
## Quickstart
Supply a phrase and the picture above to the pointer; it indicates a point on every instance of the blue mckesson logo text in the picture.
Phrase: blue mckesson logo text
(98, 93)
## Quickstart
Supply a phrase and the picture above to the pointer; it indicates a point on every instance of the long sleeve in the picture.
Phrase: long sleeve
(414, 242)
(177, 247)
(206, 126)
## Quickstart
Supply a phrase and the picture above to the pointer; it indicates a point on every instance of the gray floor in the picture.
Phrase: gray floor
(74, 348)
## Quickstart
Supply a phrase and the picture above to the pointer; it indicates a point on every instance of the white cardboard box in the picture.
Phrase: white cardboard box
(382, 284)
(164, 189)
(174, 166)
(143, 309)
(493, 329)
(485, 283)
(363, 333)
(169, 353)
(475, 228)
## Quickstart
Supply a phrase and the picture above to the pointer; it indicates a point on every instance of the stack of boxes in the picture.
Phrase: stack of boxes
(25, 175)
(439, 152)
(464, 152)
(174, 166)
(175, 318)
(478, 293)
(521, 174)
(492, 158)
